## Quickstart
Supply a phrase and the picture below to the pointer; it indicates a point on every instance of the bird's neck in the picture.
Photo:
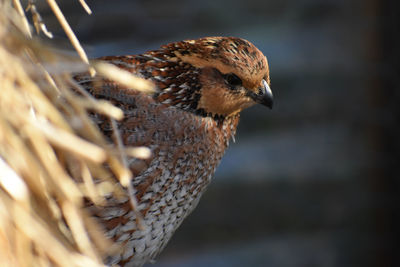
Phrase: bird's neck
(224, 127)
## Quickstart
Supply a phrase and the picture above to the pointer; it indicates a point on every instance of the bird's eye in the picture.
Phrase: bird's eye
(232, 79)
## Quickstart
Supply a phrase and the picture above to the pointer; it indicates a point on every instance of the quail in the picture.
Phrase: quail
(187, 123)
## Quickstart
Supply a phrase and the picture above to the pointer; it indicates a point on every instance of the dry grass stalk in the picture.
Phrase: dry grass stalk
(68, 31)
(50, 150)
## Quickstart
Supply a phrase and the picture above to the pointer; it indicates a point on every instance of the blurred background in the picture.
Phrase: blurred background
(314, 181)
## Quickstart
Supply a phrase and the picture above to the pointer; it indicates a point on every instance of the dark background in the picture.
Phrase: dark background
(314, 181)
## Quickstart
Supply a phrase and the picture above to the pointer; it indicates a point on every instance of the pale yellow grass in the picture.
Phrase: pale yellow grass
(51, 154)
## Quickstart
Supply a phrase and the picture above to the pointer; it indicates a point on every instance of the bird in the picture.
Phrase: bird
(202, 85)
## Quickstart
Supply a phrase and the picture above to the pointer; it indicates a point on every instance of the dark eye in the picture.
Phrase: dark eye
(232, 79)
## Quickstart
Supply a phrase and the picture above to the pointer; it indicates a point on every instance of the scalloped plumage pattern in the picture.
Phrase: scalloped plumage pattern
(187, 141)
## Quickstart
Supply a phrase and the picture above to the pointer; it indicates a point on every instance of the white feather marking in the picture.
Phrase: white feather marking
(167, 101)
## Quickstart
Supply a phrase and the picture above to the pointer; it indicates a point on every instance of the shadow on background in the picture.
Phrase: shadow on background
(312, 183)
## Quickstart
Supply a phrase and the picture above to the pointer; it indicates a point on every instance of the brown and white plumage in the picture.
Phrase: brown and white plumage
(202, 87)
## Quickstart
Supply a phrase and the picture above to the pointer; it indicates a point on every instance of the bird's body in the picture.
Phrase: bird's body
(202, 86)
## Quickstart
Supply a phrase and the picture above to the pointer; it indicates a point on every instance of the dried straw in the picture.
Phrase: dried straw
(50, 150)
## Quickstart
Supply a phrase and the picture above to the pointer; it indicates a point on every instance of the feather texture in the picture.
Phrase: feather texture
(187, 123)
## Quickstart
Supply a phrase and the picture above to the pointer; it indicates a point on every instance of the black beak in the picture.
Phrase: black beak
(265, 96)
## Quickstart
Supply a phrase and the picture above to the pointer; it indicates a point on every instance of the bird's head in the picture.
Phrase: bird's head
(213, 76)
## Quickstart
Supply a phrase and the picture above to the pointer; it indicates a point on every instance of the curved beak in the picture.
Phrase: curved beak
(265, 96)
